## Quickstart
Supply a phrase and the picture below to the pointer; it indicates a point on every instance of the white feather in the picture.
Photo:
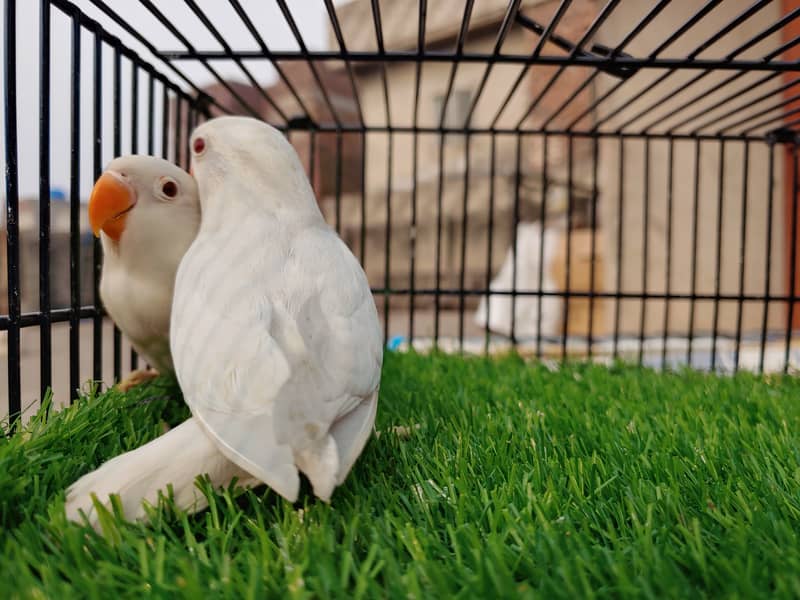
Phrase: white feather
(175, 459)
(275, 334)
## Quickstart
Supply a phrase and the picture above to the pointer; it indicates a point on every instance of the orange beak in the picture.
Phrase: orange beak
(111, 200)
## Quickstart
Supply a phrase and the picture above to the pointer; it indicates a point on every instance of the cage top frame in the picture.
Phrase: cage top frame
(690, 115)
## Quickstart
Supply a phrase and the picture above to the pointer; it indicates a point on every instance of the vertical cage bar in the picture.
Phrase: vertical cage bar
(568, 263)
(620, 217)
(338, 190)
(134, 358)
(164, 122)
(97, 148)
(718, 269)
(645, 249)
(742, 256)
(464, 232)
(191, 118)
(151, 115)
(388, 243)
(543, 221)
(45, 328)
(12, 210)
(489, 239)
(117, 122)
(362, 252)
(176, 143)
(695, 227)
(412, 240)
(438, 254)
(312, 158)
(593, 234)
(514, 235)
(792, 263)
(768, 256)
(668, 253)
(74, 211)
(151, 123)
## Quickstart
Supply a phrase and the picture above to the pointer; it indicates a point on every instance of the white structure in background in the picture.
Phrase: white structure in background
(530, 251)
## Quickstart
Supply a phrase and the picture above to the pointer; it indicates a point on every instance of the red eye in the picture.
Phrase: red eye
(170, 189)
(199, 145)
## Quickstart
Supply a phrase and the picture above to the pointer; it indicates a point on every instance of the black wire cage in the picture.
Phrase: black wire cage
(583, 178)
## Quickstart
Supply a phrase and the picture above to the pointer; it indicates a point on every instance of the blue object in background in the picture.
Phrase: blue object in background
(58, 195)
(394, 343)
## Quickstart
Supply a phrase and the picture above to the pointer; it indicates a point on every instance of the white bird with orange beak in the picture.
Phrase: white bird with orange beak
(146, 212)
(275, 336)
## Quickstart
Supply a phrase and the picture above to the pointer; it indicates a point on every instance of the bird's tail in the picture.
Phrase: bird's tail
(174, 459)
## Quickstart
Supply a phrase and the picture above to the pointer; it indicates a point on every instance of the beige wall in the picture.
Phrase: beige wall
(683, 176)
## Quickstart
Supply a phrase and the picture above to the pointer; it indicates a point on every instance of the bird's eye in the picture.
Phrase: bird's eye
(199, 145)
(169, 189)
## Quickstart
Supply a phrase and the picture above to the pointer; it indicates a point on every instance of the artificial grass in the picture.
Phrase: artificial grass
(519, 482)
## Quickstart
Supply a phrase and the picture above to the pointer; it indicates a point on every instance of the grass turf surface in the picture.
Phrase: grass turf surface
(520, 481)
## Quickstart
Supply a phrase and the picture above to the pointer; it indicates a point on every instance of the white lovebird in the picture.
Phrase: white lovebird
(274, 335)
(146, 212)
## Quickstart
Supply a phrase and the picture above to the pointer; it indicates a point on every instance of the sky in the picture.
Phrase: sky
(310, 16)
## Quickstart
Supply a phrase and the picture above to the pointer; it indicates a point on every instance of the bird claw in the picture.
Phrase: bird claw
(137, 377)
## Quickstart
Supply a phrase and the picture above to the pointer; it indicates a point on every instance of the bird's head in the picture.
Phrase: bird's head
(254, 155)
(137, 191)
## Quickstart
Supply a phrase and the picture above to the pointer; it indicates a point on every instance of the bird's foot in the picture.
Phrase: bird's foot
(137, 377)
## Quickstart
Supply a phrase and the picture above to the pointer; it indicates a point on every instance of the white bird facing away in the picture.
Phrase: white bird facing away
(146, 212)
(529, 311)
(274, 334)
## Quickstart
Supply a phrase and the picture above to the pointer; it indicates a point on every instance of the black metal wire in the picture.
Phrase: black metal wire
(209, 25)
(490, 237)
(645, 245)
(134, 358)
(742, 254)
(593, 253)
(601, 18)
(460, 40)
(543, 230)
(287, 15)
(74, 210)
(515, 236)
(412, 237)
(768, 257)
(568, 259)
(337, 29)
(695, 241)
(117, 132)
(747, 108)
(668, 253)
(153, 9)
(12, 210)
(45, 330)
(718, 255)
(545, 35)
(237, 7)
(94, 26)
(620, 239)
(629, 37)
(97, 152)
(792, 262)
(464, 232)
(505, 27)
